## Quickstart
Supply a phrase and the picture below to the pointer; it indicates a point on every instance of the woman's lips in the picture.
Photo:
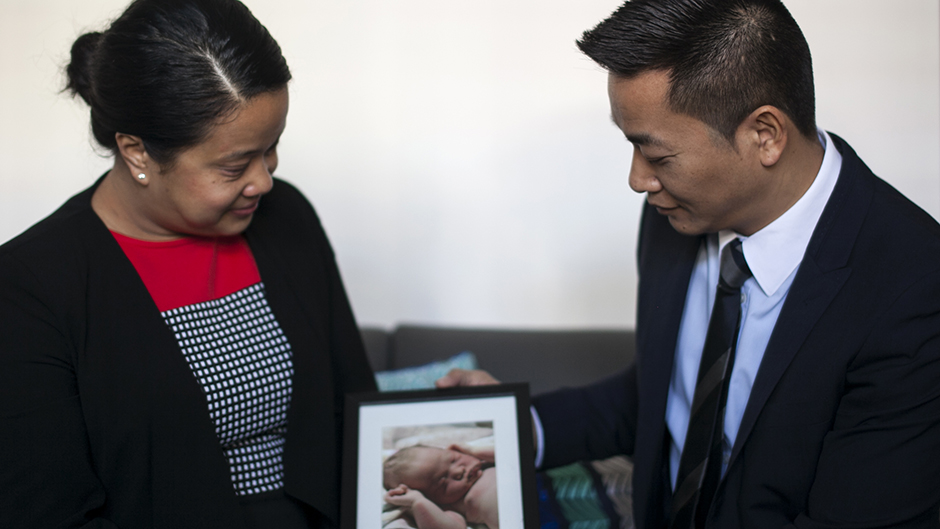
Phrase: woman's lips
(245, 211)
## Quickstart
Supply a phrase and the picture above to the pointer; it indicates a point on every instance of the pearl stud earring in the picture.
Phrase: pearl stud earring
(141, 176)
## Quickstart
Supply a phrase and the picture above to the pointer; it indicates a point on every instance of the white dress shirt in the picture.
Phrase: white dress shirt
(773, 254)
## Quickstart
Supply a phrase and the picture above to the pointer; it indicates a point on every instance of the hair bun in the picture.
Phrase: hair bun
(79, 70)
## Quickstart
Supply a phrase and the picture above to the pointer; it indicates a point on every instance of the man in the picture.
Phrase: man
(812, 397)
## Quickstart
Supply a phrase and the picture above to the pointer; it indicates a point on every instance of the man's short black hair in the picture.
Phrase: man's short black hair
(726, 58)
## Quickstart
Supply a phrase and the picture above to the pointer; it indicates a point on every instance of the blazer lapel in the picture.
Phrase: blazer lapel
(821, 275)
(144, 374)
(310, 450)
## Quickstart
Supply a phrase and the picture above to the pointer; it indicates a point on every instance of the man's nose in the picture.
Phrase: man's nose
(642, 175)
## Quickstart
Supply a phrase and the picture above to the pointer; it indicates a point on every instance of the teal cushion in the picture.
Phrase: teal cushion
(423, 377)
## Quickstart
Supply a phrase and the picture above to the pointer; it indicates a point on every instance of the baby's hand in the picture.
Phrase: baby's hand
(402, 496)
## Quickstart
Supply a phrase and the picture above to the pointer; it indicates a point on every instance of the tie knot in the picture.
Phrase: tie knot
(734, 270)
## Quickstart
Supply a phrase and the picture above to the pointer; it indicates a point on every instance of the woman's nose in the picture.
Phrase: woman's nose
(261, 180)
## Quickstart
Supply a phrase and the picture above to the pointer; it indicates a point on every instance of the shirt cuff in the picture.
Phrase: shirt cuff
(539, 437)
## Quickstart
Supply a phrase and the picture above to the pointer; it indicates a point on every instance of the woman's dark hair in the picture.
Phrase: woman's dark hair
(168, 70)
(726, 58)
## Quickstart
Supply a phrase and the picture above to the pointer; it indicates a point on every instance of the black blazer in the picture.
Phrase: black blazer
(842, 427)
(102, 423)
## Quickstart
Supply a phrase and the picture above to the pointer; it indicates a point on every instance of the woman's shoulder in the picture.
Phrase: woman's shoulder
(285, 205)
(284, 193)
(62, 236)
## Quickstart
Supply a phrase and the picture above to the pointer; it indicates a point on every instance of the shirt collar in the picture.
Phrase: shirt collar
(775, 251)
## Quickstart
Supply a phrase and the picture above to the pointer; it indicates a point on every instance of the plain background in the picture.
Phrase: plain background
(460, 153)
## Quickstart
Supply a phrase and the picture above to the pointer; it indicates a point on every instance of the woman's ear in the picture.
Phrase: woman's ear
(768, 126)
(132, 150)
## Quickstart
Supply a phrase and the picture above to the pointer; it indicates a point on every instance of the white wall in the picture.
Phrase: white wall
(460, 153)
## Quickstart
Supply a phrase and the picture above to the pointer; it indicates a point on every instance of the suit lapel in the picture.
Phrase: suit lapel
(663, 302)
(666, 259)
(821, 275)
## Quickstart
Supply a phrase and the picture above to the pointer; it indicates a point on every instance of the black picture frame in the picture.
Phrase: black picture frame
(371, 418)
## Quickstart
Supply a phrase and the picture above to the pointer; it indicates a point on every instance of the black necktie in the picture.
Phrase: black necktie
(700, 463)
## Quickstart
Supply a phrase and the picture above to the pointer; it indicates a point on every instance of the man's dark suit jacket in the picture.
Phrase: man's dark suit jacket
(842, 427)
(102, 423)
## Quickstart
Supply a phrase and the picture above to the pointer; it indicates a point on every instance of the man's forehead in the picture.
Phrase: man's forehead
(639, 138)
(638, 104)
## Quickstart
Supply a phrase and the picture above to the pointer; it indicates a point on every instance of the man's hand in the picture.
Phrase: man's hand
(465, 377)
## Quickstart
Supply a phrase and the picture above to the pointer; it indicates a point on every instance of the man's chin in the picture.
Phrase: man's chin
(683, 225)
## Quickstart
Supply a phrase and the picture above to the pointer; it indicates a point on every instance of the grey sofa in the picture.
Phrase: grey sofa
(546, 359)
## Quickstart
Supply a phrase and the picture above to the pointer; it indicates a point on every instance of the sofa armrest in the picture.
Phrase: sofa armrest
(376, 341)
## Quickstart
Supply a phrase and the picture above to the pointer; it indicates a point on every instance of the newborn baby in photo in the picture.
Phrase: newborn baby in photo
(443, 488)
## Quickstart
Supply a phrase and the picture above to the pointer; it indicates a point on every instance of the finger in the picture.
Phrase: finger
(465, 377)
(451, 379)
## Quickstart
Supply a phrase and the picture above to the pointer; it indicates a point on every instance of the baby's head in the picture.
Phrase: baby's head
(443, 475)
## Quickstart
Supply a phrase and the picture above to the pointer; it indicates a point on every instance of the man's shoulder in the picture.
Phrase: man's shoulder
(892, 225)
(890, 245)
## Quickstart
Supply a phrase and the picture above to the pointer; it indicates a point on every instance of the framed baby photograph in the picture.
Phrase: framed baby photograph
(460, 457)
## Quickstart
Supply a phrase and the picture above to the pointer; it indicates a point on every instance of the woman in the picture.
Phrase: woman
(175, 341)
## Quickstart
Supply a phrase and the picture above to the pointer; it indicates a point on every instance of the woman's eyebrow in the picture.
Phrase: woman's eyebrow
(250, 152)
(239, 154)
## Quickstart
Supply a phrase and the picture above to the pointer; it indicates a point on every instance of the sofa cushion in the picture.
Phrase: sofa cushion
(587, 494)
(423, 377)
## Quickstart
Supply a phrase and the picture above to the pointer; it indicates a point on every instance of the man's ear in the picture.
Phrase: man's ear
(767, 127)
(132, 150)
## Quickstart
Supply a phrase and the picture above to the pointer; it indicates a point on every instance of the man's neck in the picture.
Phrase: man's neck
(792, 176)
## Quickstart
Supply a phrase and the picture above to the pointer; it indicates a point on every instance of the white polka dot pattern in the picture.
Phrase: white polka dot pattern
(243, 361)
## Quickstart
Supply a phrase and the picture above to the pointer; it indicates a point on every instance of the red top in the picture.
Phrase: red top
(191, 270)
